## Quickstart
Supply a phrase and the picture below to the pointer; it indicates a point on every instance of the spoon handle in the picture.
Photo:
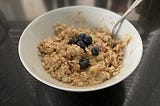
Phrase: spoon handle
(130, 9)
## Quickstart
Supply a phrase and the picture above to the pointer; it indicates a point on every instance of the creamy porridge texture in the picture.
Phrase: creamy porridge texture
(81, 57)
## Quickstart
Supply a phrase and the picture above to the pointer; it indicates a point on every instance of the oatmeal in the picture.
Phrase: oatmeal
(81, 57)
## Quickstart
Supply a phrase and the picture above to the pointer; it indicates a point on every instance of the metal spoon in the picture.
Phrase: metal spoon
(130, 9)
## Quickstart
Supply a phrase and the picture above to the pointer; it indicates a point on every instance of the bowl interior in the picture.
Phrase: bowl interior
(82, 16)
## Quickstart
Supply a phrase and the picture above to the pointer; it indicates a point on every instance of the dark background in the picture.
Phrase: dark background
(19, 88)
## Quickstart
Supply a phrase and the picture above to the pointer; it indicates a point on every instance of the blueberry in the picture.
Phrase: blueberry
(81, 36)
(73, 40)
(87, 40)
(84, 63)
(81, 44)
(95, 51)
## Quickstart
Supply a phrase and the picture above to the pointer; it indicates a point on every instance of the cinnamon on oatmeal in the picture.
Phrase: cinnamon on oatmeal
(61, 60)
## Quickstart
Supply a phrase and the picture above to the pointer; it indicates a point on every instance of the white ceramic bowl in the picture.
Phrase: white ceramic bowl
(42, 27)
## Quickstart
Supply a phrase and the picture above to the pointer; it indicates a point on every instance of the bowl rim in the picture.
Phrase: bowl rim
(77, 89)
